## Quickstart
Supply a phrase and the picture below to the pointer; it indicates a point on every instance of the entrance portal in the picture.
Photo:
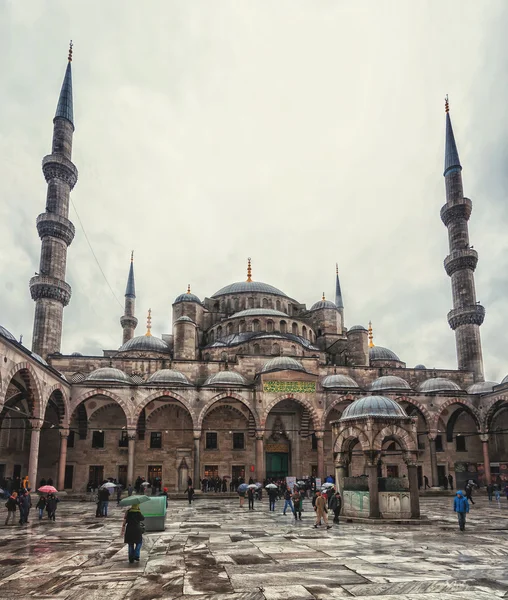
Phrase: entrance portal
(277, 465)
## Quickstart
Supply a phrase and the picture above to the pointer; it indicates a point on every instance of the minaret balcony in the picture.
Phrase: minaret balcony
(466, 315)
(53, 225)
(128, 321)
(453, 212)
(56, 166)
(44, 286)
(459, 260)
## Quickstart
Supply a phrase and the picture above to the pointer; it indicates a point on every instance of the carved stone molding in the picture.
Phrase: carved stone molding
(454, 212)
(50, 224)
(467, 315)
(55, 166)
(43, 286)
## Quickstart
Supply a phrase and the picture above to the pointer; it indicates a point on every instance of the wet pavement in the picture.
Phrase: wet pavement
(218, 551)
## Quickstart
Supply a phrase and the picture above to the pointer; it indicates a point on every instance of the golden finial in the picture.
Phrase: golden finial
(249, 270)
(446, 104)
(70, 51)
(132, 255)
(371, 336)
(149, 323)
(188, 288)
(323, 298)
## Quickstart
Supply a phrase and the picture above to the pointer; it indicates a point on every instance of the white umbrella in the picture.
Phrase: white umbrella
(271, 486)
(251, 485)
(108, 485)
(300, 482)
(327, 485)
(258, 485)
(145, 483)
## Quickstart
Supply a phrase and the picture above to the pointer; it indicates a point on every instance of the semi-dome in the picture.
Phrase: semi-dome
(227, 378)
(420, 367)
(259, 312)
(7, 334)
(244, 287)
(482, 387)
(323, 304)
(187, 297)
(110, 375)
(76, 354)
(168, 376)
(145, 343)
(380, 353)
(373, 406)
(282, 363)
(357, 328)
(339, 381)
(389, 382)
(438, 384)
(184, 318)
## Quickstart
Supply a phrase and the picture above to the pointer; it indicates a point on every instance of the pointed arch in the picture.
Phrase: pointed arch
(335, 402)
(402, 436)
(223, 396)
(427, 417)
(163, 394)
(491, 409)
(460, 401)
(32, 383)
(345, 438)
(61, 401)
(316, 421)
(101, 392)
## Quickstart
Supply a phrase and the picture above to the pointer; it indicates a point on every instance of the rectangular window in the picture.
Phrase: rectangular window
(123, 442)
(155, 439)
(98, 439)
(211, 440)
(238, 441)
(70, 439)
(460, 444)
(439, 443)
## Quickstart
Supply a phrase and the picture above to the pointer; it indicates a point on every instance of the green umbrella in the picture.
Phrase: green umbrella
(131, 500)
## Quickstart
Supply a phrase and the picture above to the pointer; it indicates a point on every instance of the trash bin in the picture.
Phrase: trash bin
(154, 512)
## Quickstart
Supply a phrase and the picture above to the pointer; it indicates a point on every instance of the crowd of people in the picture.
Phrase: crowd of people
(19, 499)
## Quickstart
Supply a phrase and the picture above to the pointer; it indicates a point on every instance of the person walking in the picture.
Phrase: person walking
(450, 481)
(297, 504)
(40, 506)
(490, 491)
(10, 505)
(335, 504)
(497, 492)
(104, 502)
(469, 492)
(118, 494)
(24, 503)
(461, 507)
(321, 510)
(51, 503)
(190, 494)
(242, 498)
(165, 493)
(426, 481)
(129, 490)
(272, 496)
(132, 530)
(250, 496)
(287, 501)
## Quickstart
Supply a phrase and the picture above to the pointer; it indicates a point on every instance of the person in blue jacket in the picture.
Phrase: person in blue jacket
(461, 507)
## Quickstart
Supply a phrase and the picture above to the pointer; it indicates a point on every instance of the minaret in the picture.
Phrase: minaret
(338, 293)
(49, 288)
(467, 314)
(371, 336)
(128, 320)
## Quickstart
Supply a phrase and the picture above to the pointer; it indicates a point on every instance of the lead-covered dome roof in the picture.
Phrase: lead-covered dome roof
(227, 378)
(187, 297)
(357, 328)
(505, 380)
(168, 376)
(380, 353)
(7, 334)
(481, 387)
(243, 287)
(323, 304)
(259, 312)
(339, 381)
(438, 384)
(282, 363)
(109, 375)
(373, 406)
(145, 343)
(389, 382)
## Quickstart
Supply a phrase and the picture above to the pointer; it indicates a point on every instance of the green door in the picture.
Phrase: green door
(277, 464)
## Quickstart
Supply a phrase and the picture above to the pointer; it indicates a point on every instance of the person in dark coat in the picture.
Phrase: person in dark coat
(272, 497)
(426, 481)
(450, 481)
(51, 503)
(469, 492)
(250, 496)
(297, 503)
(490, 491)
(190, 494)
(10, 505)
(165, 493)
(335, 504)
(24, 503)
(104, 502)
(461, 507)
(41, 505)
(132, 530)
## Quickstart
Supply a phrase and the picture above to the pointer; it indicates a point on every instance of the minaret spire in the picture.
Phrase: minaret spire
(128, 321)
(467, 314)
(49, 288)
(371, 336)
(249, 270)
(338, 294)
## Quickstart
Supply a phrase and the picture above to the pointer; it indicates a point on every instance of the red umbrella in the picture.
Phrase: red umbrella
(48, 489)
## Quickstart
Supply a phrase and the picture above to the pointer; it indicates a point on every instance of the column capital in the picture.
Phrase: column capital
(372, 457)
(484, 437)
(64, 433)
(197, 434)
(319, 435)
(35, 424)
(432, 435)
(260, 435)
(131, 434)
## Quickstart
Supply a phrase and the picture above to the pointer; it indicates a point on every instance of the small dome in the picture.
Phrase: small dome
(482, 387)
(184, 318)
(187, 297)
(145, 343)
(282, 363)
(373, 406)
(438, 384)
(259, 312)
(357, 328)
(227, 378)
(109, 374)
(168, 376)
(76, 354)
(420, 367)
(505, 380)
(249, 287)
(323, 304)
(389, 382)
(7, 334)
(339, 381)
(39, 359)
(380, 353)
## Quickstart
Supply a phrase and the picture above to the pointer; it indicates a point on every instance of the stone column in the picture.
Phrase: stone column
(62, 460)
(260, 456)
(196, 475)
(131, 436)
(33, 461)
(433, 461)
(320, 455)
(373, 491)
(486, 457)
(412, 475)
(340, 474)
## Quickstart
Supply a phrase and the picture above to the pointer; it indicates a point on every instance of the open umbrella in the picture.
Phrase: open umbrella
(258, 484)
(271, 486)
(108, 485)
(145, 483)
(48, 489)
(243, 487)
(327, 485)
(252, 486)
(300, 482)
(131, 500)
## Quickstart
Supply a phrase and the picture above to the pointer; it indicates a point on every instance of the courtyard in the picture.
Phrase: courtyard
(216, 550)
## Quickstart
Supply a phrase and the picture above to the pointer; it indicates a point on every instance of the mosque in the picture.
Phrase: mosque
(246, 382)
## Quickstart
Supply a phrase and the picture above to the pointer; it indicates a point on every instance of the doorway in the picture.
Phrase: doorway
(69, 476)
(122, 475)
(16, 472)
(441, 476)
(153, 472)
(95, 475)
(420, 476)
(237, 472)
(277, 465)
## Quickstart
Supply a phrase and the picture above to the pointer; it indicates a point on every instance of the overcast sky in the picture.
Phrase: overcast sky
(298, 133)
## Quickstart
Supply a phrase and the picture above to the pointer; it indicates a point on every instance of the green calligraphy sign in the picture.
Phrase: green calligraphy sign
(283, 387)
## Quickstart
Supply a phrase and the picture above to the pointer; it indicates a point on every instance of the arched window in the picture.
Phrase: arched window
(293, 350)
(216, 307)
(241, 327)
(256, 349)
(277, 305)
(283, 327)
(219, 332)
(275, 349)
(319, 332)
(207, 356)
(237, 304)
(229, 328)
(251, 302)
(294, 328)
(212, 336)
(304, 332)
(269, 326)
(255, 325)
(224, 356)
(265, 302)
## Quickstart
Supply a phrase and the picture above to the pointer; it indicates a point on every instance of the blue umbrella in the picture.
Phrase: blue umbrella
(242, 487)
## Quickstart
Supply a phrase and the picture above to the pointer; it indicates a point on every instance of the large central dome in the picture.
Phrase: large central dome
(245, 287)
